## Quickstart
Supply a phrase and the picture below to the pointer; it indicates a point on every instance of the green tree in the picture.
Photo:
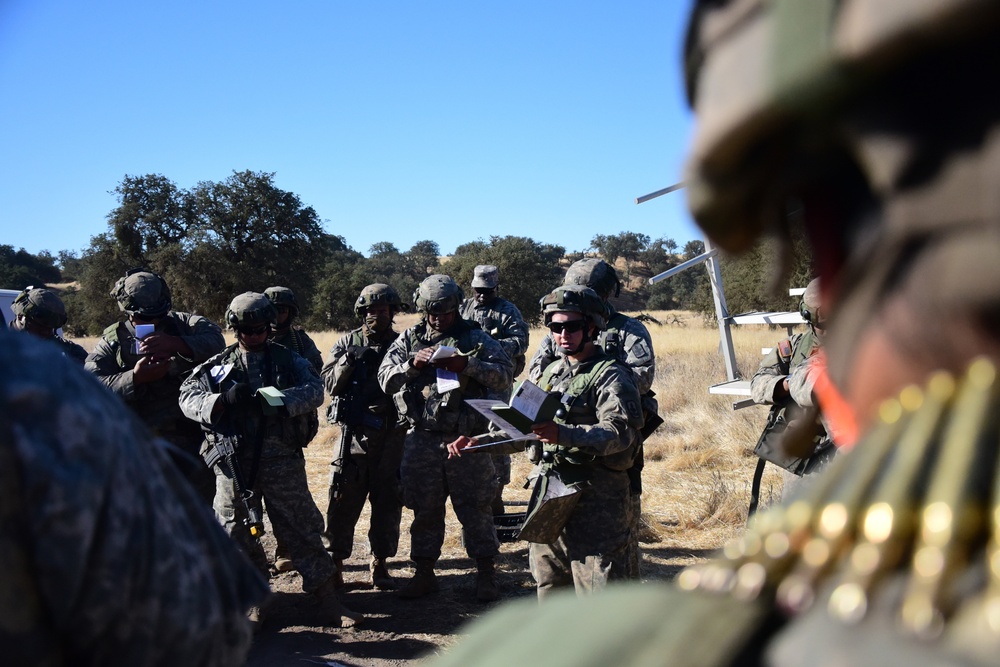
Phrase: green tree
(528, 270)
(424, 257)
(20, 268)
(152, 214)
(337, 288)
(210, 244)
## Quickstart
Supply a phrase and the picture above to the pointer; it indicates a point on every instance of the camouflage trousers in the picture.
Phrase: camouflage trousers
(430, 477)
(593, 547)
(295, 519)
(371, 475)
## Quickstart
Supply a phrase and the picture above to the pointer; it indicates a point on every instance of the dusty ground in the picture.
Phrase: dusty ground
(401, 632)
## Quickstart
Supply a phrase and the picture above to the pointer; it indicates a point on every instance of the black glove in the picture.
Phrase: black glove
(363, 354)
(239, 395)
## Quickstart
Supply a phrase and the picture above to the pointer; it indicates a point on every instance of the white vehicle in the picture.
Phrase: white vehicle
(7, 297)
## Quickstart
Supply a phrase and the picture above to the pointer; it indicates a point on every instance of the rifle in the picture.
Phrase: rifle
(225, 449)
(348, 412)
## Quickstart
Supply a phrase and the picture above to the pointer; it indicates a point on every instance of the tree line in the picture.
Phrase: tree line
(218, 239)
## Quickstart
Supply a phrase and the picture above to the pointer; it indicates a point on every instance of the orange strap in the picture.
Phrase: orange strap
(837, 414)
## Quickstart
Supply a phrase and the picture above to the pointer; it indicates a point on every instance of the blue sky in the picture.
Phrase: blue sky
(396, 121)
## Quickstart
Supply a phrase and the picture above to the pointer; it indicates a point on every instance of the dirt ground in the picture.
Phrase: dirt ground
(403, 632)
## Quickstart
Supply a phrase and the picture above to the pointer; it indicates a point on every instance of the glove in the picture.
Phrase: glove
(362, 354)
(239, 395)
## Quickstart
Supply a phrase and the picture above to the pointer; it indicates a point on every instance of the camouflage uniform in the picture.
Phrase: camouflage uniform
(627, 340)
(40, 311)
(597, 441)
(371, 471)
(428, 476)
(775, 367)
(108, 557)
(155, 402)
(277, 473)
(502, 320)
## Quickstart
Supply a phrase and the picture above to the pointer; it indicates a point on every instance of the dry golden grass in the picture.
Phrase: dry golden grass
(699, 464)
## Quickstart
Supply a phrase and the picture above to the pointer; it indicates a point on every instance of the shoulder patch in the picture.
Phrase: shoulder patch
(785, 349)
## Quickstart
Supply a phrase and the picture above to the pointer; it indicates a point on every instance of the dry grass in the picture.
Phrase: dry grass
(699, 464)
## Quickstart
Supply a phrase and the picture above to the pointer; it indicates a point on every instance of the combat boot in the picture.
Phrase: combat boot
(332, 612)
(283, 565)
(424, 581)
(486, 580)
(381, 579)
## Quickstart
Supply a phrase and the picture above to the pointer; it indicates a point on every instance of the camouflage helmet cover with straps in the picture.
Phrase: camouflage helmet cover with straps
(143, 293)
(871, 122)
(250, 309)
(375, 294)
(575, 299)
(282, 296)
(41, 305)
(596, 274)
(772, 82)
(438, 294)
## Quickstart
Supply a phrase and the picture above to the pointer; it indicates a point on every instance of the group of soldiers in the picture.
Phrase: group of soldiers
(236, 419)
(870, 125)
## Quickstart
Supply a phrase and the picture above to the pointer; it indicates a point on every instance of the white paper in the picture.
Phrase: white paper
(528, 400)
(443, 352)
(446, 381)
(219, 373)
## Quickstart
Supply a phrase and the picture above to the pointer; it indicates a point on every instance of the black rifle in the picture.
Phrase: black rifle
(225, 449)
(348, 412)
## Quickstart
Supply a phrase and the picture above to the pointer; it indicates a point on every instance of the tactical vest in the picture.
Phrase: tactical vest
(429, 410)
(157, 407)
(578, 409)
(295, 431)
(370, 393)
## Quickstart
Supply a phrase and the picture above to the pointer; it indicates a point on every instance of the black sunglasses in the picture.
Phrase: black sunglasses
(567, 327)
(252, 331)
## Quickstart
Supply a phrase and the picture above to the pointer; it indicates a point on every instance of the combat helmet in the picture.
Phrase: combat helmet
(143, 293)
(575, 299)
(250, 309)
(42, 305)
(375, 294)
(437, 295)
(282, 296)
(809, 306)
(790, 97)
(596, 274)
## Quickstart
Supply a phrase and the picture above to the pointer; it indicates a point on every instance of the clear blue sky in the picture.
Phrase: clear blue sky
(396, 121)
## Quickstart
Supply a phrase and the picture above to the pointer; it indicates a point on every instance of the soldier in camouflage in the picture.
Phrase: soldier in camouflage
(147, 373)
(591, 447)
(108, 557)
(502, 320)
(627, 340)
(223, 396)
(283, 332)
(40, 312)
(878, 125)
(370, 466)
(783, 380)
(437, 416)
